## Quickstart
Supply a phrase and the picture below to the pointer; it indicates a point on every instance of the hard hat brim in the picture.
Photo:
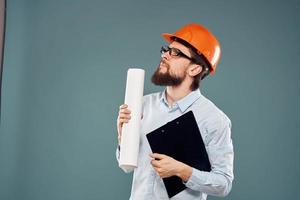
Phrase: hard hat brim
(168, 37)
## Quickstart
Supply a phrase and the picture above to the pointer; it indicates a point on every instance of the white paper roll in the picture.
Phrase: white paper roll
(129, 147)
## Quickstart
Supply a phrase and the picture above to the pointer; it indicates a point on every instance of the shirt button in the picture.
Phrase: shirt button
(177, 122)
(162, 130)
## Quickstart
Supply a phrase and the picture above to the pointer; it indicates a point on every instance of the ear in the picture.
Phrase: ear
(194, 70)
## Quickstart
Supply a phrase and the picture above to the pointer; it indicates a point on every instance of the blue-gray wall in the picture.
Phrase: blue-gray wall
(63, 80)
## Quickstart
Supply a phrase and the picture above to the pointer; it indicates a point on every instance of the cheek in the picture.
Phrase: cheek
(178, 69)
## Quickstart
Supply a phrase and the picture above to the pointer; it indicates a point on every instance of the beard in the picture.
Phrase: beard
(166, 78)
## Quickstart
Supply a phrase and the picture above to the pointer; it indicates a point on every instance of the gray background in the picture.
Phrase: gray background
(64, 78)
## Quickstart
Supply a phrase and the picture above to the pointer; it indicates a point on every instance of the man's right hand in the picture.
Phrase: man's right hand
(123, 117)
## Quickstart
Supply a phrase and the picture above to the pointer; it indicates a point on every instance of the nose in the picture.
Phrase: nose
(166, 55)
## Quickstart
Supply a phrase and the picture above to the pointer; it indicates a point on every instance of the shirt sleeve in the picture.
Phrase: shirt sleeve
(218, 181)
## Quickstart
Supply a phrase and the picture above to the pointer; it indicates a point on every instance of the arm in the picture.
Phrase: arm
(218, 182)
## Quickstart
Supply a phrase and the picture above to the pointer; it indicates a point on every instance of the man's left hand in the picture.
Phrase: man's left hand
(165, 166)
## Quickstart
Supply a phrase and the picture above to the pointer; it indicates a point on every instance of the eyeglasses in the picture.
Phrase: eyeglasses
(174, 52)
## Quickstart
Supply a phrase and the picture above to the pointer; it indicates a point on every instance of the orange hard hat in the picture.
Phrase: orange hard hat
(201, 39)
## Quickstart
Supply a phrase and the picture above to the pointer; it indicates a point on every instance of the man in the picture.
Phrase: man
(192, 54)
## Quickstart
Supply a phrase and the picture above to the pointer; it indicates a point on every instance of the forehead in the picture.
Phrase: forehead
(180, 46)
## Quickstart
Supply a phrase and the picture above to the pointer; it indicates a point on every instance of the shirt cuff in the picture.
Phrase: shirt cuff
(197, 178)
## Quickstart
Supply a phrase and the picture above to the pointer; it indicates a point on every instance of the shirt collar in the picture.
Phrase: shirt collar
(163, 97)
(185, 102)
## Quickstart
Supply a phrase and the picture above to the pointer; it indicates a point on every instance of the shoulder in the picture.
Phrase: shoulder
(210, 118)
(209, 110)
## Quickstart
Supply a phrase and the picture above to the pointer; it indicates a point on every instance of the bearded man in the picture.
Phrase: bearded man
(192, 53)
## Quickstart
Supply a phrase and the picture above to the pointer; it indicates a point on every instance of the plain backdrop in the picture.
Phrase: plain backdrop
(64, 76)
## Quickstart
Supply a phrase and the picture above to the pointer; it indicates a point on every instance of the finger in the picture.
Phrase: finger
(155, 163)
(157, 171)
(124, 110)
(160, 172)
(121, 114)
(123, 120)
(123, 106)
(124, 116)
(157, 156)
(164, 175)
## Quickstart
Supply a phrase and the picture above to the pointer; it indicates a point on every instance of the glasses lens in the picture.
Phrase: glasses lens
(164, 49)
(175, 52)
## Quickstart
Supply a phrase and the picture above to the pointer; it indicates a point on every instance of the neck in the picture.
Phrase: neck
(175, 93)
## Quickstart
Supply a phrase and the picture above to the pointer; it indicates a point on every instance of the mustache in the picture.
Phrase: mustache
(165, 63)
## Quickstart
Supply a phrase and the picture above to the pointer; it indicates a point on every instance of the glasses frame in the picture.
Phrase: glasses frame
(174, 52)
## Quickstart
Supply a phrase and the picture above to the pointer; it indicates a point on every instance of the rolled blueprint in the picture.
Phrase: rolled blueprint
(129, 147)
